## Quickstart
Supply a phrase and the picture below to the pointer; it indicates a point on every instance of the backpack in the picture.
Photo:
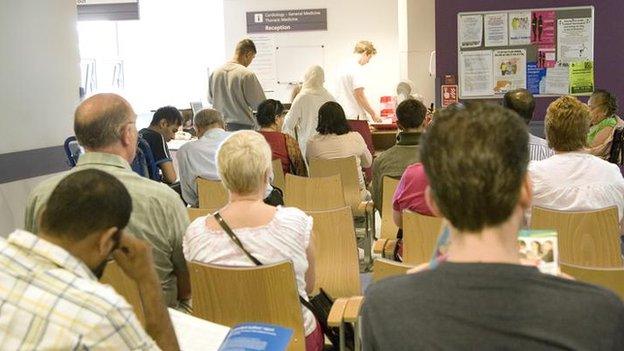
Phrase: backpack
(616, 155)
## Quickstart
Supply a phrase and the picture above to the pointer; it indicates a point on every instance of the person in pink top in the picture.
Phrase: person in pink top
(410, 193)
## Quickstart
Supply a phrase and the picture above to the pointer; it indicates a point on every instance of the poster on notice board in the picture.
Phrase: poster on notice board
(476, 68)
(520, 28)
(496, 30)
(509, 70)
(543, 27)
(575, 40)
(471, 31)
(581, 77)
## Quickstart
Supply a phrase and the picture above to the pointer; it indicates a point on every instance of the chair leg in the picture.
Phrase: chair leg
(341, 335)
(368, 253)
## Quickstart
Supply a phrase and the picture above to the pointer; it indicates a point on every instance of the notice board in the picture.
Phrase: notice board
(548, 51)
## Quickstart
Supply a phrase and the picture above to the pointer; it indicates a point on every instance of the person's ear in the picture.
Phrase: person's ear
(433, 206)
(526, 192)
(106, 243)
(163, 124)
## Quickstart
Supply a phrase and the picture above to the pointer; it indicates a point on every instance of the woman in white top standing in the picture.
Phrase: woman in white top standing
(573, 179)
(271, 234)
(351, 84)
(303, 114)
(336, 140)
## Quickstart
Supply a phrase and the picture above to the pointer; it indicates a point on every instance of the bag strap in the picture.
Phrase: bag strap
(257, 262)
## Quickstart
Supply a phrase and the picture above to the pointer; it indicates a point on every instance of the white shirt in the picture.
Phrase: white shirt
(198, 159)
(303, 115)
(351, 78)
(285, 237)
(577, 181)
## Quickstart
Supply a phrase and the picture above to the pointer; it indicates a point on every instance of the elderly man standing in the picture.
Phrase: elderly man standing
(105, 125)
(197, 158)
(234, 90)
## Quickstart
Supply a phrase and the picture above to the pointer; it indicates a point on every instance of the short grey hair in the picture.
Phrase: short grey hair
(207, 117)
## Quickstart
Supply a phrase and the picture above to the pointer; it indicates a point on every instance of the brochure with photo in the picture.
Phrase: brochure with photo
(539, 248)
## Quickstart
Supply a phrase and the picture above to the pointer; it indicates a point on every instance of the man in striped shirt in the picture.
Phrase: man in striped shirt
(49, 294)
(522, 102)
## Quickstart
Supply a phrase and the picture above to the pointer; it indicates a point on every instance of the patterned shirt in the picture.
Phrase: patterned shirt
(158, 215)
(51, 300)
(538, 148)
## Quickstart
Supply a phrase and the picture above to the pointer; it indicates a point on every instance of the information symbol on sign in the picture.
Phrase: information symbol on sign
(259, 18)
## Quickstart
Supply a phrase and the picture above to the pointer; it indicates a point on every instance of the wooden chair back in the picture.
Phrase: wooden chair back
(347, 169)
(336, 254)
(384, 268)
(388, 228)
(262, 294)
(278, 174)
(126, 287)
(584, 238)
(211, 193)
(420, 234)
(610, 278)
(314, 194)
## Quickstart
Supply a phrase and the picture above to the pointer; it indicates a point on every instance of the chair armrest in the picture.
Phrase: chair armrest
(336, 314)
(352, 310)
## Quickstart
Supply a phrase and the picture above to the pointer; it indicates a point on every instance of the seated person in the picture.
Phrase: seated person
(481, 297)
(105, 125)
(270, 118)
(198, 158)
(334, 139)
(50, 294)
(272, 234)
(410, 194)
(573, 179)
(411, 115)
(165, 123)
(522, 102)
(603, 107)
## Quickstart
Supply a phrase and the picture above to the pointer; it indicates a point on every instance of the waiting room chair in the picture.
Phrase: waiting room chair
(73, 150)
(348, 171)
(126, 287)
(420, 235)
(584, 238)
(383, 268)
(279, 180)
(211, 193)
(388, 228)
(362, 127)
(336, 254)
(195, 213)
(314, 194)
(610, 278)
(233, 295)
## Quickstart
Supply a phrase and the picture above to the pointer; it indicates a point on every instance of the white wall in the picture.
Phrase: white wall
(417, 41)
(348, 22)
(39, 80)
(39, 73)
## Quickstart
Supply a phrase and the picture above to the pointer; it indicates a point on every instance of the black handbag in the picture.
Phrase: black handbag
(320, 305)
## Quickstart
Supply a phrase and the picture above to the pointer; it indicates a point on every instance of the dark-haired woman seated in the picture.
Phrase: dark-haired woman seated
(603, 107)
(334, 139)
(270, 117)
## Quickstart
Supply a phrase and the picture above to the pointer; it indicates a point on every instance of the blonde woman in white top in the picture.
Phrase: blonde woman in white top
(271, 234)
(303, 114)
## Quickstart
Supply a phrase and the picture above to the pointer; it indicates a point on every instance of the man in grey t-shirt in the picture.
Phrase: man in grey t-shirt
(479, 297)
(234, 90)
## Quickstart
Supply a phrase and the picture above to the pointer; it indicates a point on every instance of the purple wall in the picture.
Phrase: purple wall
(608, 38)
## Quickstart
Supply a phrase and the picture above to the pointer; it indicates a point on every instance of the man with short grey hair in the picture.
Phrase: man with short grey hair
(198, 158)
(105, 125)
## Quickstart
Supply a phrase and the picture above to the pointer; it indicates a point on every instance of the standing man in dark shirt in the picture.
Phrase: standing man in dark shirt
(165, 123)
(480, 297)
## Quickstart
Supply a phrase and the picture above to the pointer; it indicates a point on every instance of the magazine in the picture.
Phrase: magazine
(539, 248)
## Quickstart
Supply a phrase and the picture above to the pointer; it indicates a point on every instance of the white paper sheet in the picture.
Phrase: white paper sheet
(557, 81)
(471, 31)
(197, 334)
(264, 64)
(575, 40)
(476, 73)
(496, 29)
